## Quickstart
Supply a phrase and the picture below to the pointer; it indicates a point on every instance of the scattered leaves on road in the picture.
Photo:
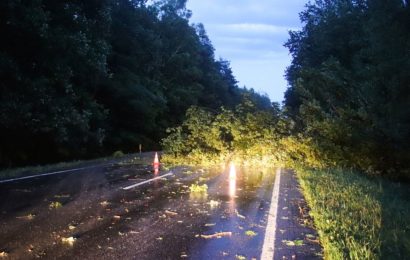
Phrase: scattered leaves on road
(62, 196)
(71, 227)
(293, 242)
(251, 233)
(29, 216)
(239, 215)
(104, 203)
(68, 240)
(55, 205)
(196, 188)
(217, 235)
(30, 248)
(213, 203)
(171, 213)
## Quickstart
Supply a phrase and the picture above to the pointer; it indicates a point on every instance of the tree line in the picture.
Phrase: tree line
(349, 80)
(84, 78)
(348, 100)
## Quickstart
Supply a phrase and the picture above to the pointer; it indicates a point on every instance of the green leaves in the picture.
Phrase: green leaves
(248, 134)
(101, 76)
(347, 78)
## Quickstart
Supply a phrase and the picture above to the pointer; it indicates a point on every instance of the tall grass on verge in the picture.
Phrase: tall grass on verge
(358, 217)
(117, 157)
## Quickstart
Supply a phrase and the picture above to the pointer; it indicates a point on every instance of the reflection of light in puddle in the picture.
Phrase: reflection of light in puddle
(197, 197)
(232, 181)
(232, 188)
(156, 169)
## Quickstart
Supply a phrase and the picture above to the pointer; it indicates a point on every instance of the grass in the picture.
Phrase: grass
(34, 170)
(358, 217)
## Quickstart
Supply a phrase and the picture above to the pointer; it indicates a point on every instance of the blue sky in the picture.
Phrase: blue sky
(250, 34)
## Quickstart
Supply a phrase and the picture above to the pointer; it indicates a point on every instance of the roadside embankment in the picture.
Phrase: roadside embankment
(358, 217)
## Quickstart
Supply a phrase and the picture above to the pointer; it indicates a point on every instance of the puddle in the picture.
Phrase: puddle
(194, 213)
(237, 202)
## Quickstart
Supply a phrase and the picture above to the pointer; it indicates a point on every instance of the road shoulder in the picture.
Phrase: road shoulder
(296, 237)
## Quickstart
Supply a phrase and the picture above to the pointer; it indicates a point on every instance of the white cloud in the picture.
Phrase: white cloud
(251, 34)
(256, 27)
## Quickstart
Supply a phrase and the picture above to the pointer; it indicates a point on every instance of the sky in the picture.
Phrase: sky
(250, 34)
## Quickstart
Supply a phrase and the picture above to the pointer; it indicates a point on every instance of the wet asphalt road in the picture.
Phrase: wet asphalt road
(88, 215)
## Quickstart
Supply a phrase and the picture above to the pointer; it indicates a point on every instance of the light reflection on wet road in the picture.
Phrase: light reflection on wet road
(158, 220)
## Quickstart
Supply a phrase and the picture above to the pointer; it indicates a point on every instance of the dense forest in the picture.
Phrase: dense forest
(84, 78)
(349, 92)
(348, 100)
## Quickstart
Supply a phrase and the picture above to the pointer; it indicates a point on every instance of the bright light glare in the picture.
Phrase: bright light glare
(232, 180)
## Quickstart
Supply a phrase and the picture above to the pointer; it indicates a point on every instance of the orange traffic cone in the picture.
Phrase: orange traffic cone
(156, 161)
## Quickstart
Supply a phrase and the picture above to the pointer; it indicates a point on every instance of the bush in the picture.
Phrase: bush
(118, 154)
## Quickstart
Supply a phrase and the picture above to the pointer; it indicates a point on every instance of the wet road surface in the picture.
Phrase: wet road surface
(88, 215)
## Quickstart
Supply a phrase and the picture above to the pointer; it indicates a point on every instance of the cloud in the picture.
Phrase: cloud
(251, 34)
(256, 27)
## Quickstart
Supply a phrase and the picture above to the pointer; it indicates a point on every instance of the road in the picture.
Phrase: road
(89, 215)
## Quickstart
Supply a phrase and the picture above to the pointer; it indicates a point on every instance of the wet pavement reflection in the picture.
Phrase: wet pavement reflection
(192, 213)
(239, 221)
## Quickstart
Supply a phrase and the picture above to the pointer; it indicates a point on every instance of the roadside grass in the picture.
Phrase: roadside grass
(118, 158)
(358, 217)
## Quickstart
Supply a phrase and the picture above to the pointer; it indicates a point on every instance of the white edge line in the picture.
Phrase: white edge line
(268, 249)
(147, 181)
(51, 173)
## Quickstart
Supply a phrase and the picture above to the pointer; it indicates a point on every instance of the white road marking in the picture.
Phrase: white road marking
(51, 173)
(268, 249)
(147, 181)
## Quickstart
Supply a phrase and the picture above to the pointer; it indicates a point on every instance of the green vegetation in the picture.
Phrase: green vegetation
(240, 257)
(349, 89)
(251, 233)
(33, 170)
(250, 134)
(293, 242)
(346, 108)
(118, 154)
(130, 69)
(196, 188)
(55, 205)
(358, 217)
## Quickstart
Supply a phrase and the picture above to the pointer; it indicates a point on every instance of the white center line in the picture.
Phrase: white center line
(52, 173)
(147, 181)
(268, 249)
